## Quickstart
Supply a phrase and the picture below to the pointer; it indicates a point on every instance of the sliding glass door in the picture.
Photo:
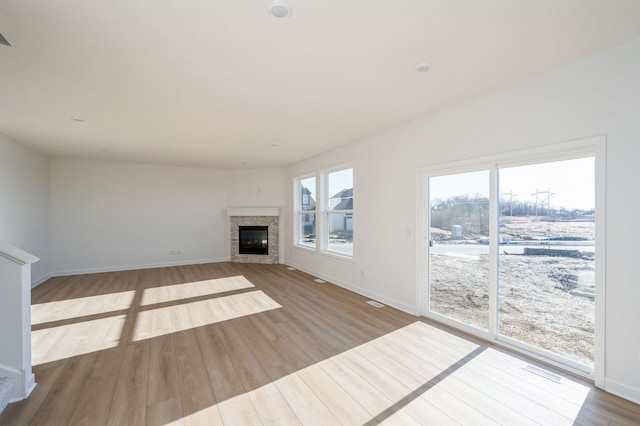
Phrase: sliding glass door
(510, 255)
(459, 250)
(547, 257)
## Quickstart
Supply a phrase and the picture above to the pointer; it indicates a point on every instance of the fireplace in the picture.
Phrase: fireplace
(253, 240)
(254, 234)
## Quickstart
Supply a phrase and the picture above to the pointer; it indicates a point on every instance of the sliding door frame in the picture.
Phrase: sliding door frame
(593, 146)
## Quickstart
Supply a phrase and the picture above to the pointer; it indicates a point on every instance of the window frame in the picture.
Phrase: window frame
(327, 212)
(322, 212)
(299, 212)
(593, 146)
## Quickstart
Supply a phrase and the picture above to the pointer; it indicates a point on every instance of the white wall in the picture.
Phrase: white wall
(598, 95)
(114, 216)
(256, 188)
(259, 188)
(24, 203)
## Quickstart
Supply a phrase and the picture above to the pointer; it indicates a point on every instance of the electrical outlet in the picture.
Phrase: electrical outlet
(175, 252)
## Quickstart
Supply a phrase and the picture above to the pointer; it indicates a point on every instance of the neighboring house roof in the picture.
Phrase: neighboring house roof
(345, 193)
(346, 200)
(346, 204)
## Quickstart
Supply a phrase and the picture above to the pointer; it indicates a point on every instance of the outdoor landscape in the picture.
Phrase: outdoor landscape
(546, 273)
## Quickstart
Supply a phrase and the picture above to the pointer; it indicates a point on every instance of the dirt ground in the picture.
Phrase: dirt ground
(539, 228)
(545, 301)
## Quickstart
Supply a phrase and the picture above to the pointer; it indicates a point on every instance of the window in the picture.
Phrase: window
(548, 233)
(458, 257)
(306, 193)
(325, 217)
(512, 251)
(339, 212)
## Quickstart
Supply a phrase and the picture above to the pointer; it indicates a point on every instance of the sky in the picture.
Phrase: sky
(340, 180)
(571, 182)
(337, 181)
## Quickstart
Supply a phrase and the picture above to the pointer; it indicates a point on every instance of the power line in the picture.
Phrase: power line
(542, 197)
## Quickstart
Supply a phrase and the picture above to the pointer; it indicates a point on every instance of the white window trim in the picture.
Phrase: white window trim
(324, 213)
(593, 146)
(298, 212)
(321, 212)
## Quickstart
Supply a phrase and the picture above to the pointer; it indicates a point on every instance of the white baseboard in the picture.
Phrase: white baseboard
(135, 267)
(622, 390)
(363, 292)
(24, 382)
(35, 284)
(29, 385)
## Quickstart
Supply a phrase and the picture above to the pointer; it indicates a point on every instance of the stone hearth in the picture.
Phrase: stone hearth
(268, 217)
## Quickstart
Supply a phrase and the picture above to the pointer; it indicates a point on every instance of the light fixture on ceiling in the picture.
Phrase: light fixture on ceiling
(423, 67)
(78, 118)
(279, 9)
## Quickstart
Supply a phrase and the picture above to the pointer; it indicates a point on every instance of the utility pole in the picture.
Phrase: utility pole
(542, 198)
(511, 195)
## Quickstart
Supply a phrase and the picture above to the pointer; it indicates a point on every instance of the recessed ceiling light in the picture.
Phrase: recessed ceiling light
(279, 9)
(273, 145)
(423, 67)
(104, 149)
(78, 118)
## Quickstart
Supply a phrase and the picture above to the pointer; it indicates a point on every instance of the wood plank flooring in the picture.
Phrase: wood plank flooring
(243, 344)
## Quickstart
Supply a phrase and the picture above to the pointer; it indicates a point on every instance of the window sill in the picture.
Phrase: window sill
(326, 253)
(338, 255)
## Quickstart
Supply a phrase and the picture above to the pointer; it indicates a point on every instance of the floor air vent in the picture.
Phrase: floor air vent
(376, 304)
(319, 281)
(291, 269)
(544, 373)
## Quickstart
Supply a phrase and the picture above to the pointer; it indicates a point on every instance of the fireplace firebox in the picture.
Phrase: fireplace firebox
(253, 240)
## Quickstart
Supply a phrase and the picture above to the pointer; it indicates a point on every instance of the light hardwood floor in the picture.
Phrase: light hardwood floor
(240, 344)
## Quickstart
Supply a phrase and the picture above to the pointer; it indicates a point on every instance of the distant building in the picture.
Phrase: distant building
(308, 220)
(307, 201)
(342, 224)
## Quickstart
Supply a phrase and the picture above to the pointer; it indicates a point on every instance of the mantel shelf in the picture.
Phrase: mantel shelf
(254, 211)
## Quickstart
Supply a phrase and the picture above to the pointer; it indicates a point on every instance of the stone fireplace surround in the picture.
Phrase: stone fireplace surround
(254, 216)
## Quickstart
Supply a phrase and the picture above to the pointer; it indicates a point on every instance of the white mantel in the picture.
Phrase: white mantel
(253, 211)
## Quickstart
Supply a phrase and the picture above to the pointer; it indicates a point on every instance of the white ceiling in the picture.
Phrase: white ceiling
(218, 83)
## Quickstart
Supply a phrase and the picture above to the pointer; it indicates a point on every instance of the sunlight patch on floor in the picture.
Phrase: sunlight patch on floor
(81, 306)
(352, 387)
(84, 335)
(65, 341)
(175, 292)
(418, 374)
(172, 319)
